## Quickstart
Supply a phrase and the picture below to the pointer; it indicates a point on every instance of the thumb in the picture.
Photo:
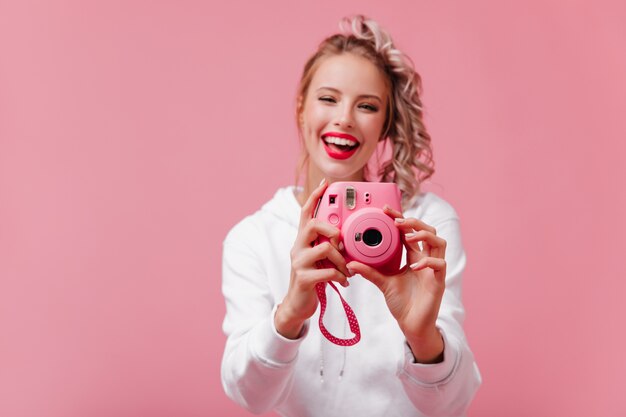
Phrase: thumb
(367, 272)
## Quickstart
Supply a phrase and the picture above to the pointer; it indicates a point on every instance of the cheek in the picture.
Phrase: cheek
(314, 119)
(310, 127)
(374, 128)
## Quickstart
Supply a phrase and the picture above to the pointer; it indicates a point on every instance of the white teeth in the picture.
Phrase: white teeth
(340, 141)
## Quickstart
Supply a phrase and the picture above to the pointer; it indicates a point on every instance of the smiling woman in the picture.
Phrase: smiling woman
(355, 91)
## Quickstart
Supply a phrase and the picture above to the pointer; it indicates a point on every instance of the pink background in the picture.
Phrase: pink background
(134, 134)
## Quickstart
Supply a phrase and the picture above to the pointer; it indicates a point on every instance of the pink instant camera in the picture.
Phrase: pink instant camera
(369, 235)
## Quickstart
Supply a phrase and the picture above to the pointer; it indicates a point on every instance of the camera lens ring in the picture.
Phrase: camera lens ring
(361, 221)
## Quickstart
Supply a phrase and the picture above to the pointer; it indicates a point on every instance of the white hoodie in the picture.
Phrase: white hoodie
(263, 371)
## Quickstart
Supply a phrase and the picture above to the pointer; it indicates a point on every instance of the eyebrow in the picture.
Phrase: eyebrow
(370, 96)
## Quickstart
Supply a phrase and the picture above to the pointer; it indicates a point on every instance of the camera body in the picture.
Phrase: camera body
(368, 234)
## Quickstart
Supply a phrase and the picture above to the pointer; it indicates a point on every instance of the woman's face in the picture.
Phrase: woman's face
(343, 116)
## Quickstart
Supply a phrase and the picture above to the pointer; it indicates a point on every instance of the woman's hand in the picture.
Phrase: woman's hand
(414, 294)
(301, 301)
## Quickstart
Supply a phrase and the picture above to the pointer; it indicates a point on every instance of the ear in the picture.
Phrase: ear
(299, 109)
(300, 104)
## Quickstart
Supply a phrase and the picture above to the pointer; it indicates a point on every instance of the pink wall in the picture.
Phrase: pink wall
(133, 135)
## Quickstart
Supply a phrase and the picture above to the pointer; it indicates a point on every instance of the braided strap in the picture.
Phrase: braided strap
(320, 288)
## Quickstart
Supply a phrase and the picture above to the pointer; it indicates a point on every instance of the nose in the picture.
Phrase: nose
(344, 118)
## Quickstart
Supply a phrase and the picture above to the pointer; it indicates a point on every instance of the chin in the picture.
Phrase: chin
(338, 170)
(343, 174)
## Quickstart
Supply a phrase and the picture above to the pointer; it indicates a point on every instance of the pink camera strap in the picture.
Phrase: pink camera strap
(320, 287)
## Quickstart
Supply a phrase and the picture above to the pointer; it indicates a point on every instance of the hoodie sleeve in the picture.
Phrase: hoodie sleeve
(446, 388)
(258, 363)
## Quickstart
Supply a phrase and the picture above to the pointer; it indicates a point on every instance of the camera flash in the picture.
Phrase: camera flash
(350, 197)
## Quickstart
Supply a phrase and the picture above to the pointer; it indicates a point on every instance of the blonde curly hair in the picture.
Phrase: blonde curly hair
(412, 160)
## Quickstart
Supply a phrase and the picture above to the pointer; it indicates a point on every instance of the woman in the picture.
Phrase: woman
(356, 91)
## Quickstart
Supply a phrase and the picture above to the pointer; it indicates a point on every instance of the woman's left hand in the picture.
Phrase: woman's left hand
(414, 294)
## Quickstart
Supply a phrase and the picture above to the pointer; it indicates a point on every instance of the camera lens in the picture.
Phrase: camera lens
(372, 237)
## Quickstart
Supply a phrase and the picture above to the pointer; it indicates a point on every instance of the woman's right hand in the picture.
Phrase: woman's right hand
(301, 301)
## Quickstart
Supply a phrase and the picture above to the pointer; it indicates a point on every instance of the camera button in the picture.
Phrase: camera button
(333, 219)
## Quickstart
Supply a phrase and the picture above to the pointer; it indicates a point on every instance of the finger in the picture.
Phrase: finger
(310, 277)
(315, 228)
(401, 222)
(393, 213)
(423, 247)
(409, 239)
(414, 255)
(410, 223)
(368, 273)
(433, 245)
(326, 251)
(308, 209)
(436, 264)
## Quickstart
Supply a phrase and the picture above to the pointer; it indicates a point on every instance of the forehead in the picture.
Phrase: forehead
(350, 74)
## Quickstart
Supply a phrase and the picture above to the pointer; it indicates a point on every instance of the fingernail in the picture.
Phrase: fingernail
(345, 284)
(410, 234)
(351, 272)
(340, 246)
(415, 265)
(322, 181)
(399, 220)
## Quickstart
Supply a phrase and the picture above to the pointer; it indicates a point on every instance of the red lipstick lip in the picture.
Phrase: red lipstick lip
(338, 155)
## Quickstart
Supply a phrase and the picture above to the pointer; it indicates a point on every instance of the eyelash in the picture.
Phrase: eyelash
(367, 107)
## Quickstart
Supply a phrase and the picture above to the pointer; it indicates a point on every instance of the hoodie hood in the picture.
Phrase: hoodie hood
(284, 206)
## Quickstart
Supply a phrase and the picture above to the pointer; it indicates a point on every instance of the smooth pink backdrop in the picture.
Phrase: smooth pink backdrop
(134, 134)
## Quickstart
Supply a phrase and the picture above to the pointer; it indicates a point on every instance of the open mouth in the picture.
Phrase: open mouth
(339, 145)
